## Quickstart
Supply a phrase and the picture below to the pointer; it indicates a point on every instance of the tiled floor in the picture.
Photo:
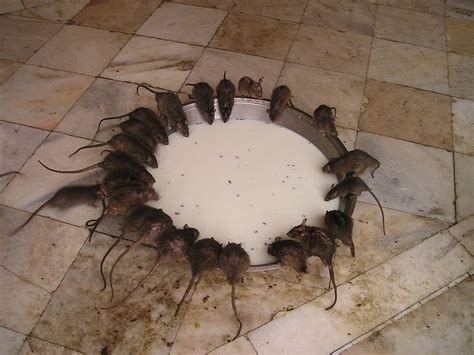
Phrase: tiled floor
(401, 74)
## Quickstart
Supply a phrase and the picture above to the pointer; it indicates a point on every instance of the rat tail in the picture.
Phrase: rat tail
(147, 88)
(225, 72)
(9, 173)
(111, 118)
(333, 281)
(381, 210)
(234, 308)
(70, 171)
(98, 220)
(105, 257)
(32, 215)
(373, 171)
(190, 286)
(88, 146)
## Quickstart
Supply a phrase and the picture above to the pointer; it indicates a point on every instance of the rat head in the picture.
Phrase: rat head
(299, 231)
(192, 234)
(335, 217)
(150, 194)
(183, 128)
(256, 87)
(324, 112)
(210, 111)
(332, 194)
(328, 167)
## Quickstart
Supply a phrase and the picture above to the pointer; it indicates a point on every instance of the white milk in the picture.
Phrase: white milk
(243, 181)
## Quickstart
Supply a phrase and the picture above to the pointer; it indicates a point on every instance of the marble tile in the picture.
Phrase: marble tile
(38, 346)
(342, 15)
(62, 10)
(214, 4)
(46, 95)
(463, 126)
(460, 34)
(142, 326)
(464, 233)
(240, 346)
(7, 68)
(7, 6)
(183, 23)
(463, 9)
(22, 303)
(104, 98)
(10, 341)
(40, 253)
(342, 51)
(116, 15)
(80, 49)
(366, 301)
(214, 62)
(255, 35)
(429, 6)
(23, 191)
(312, 87)
(347, 137)
(461, 75)
(154, 62)
(410, 27)
(412, 177)
(464, 165)
(409, 65)
(17, 145)
(425, 331)
(409, 114)
(279, 9)
(21, 37)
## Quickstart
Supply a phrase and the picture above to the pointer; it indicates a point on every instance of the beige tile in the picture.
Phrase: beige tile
(46, 95)
(460, 36)
(461, 75)
(184, 23)
(62, 10)
(464, 232)
(424, 331)
(22, 303)
(214, 62)
(10, 341)
(463, 9)
(279, 9)
(347, 137)
(366, 301)
(409, 65)
(80, 49)
(343, 15)
(116, 15)
(38, 346)
(410, 27)
(7, 6)
(312, 87)
(240, 346)
(463, 126)
(255, 35)
(345, 52)
(429, 6)
(409, 114)
(21, 37)
(412, 177)
(214, 4)
(33, 3)
(7, 68)
(17, 145)
(464, 165)
(104, 98)
(154, 62)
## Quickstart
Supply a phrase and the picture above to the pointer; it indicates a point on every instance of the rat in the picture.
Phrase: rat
(324, 118)
(130, 145)
(281, 97)
(204, 97)
(250, 88)
(351, 188)
(203, 256)
(234, 262)
(115, 180)
(289, 253)
(225, 97)
(352, 163)
(138, 130)
(340, 225)
(128, 197)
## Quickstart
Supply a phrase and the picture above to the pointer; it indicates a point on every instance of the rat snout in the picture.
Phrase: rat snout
(327, 168)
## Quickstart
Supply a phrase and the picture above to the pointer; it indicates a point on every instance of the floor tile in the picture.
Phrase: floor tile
(410, 27)
(21, 37)
(154, 62)
(116, 15)
(184, 23)
(347, 137)
(463, 126)
(24, 193)
(425, 331)
(366, 301)
(214, 4)
(80, 50)
(255, 35)
(345, 52)
(22, 303)
(464, 165)
(461, 75)
(429, 6)
(409, 65)
(46, 95)
(240, 346)
(10, 341)
(18, 144)
(464, 233)
(142, 326)
(38, 346)
(412, 177)
(460, 36)
(10, 5)
(214, 62)
(312, 87)
(343, 15)
(62, 10)
(463, 9)
(104, 98)
(40, 253)
(409, 114)
(279, 9)
(7, 68)
(34, 3)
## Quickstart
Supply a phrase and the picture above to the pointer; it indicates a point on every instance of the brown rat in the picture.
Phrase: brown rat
(225, 97)
(324, 118)
(352, 163)
(234, 262)
(204, 97)
(250, 88)
(138, 130)
(203, 256)
(117, 179)
(340, 226)
(352, 187)
(128, 197)
(289, 253)
(281, 97)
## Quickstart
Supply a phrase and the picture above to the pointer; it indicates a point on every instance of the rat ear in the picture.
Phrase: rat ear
(277, 239)
(303, 223)
(185, 226)
(260, 80)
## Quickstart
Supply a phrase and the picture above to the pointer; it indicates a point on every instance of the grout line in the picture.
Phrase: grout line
(22, 278)
(28, 337)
